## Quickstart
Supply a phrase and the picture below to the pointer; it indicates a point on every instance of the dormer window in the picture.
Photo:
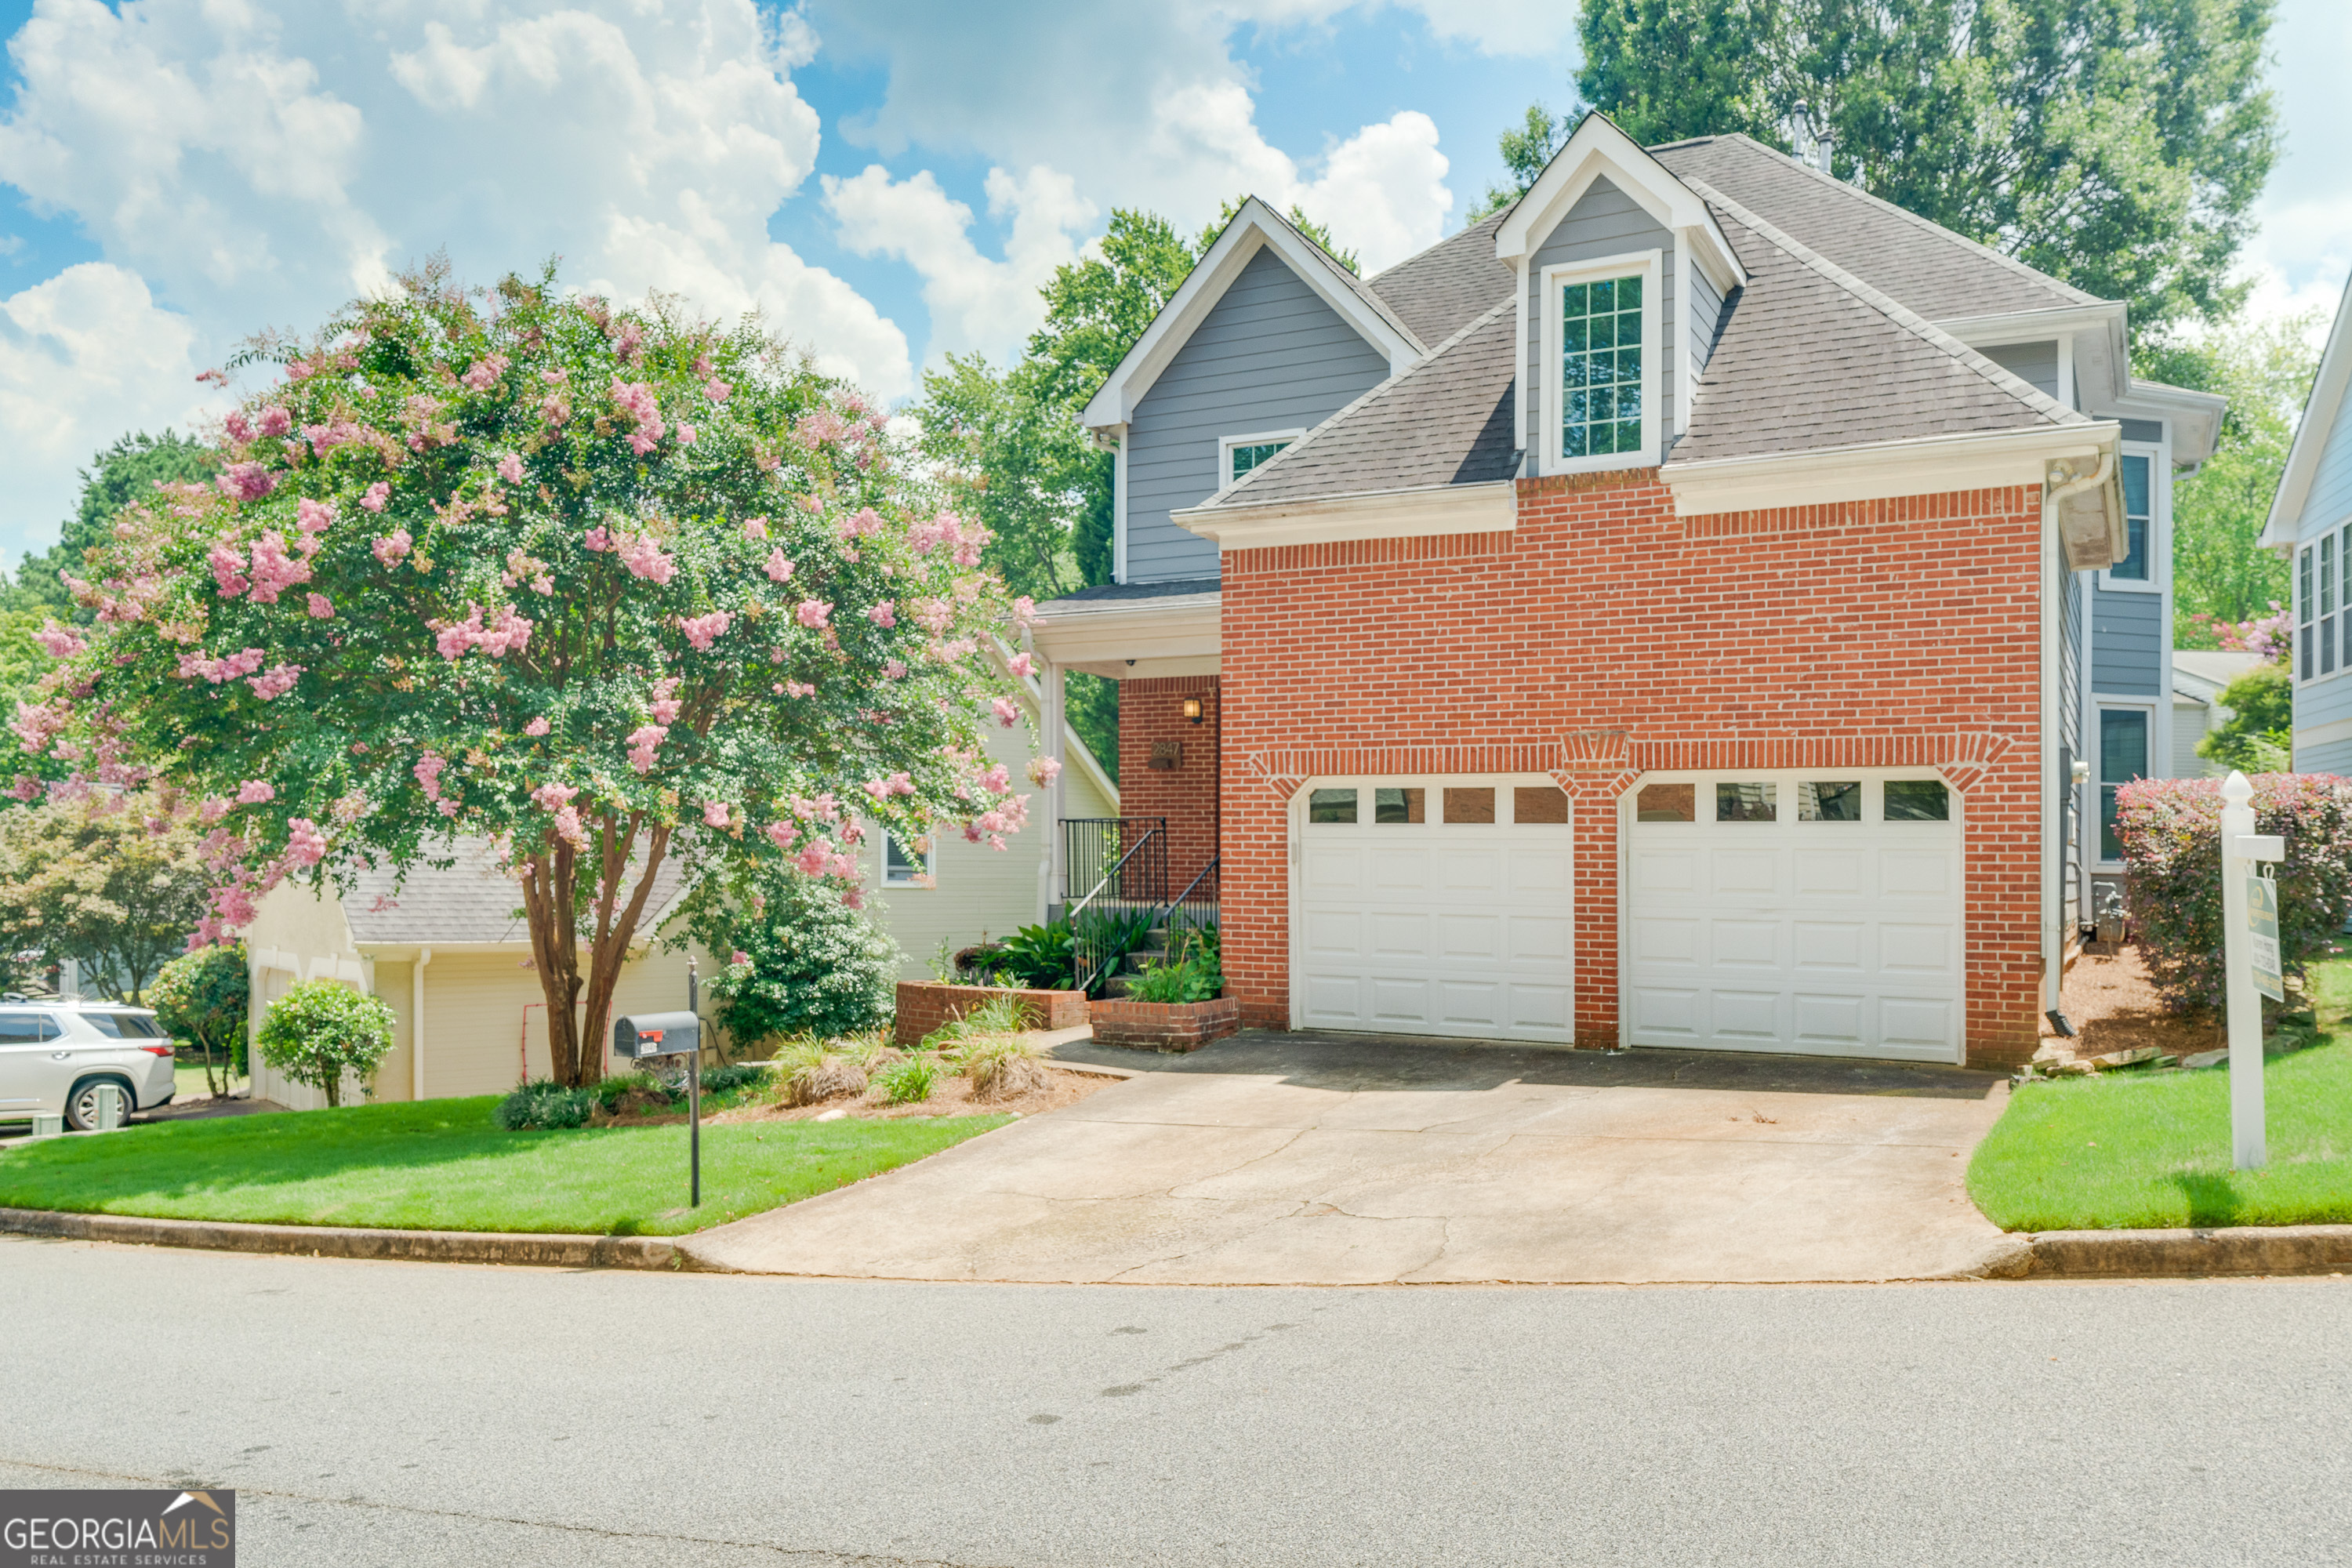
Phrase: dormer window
(1238, 455)
(1601, 364)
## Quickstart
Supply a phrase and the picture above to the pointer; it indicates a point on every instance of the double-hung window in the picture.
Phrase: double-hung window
(2138, 515)
(905, 868)
(2123, 757)
(1602, 359)
(2322, 606)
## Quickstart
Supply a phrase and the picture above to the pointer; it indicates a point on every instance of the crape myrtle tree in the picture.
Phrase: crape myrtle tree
(604, 588)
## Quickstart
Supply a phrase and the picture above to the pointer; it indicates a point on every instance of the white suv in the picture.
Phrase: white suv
(52, 1056)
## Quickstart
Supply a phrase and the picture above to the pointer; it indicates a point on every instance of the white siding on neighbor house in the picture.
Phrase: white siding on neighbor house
(2190, 722)
(1270, 356)
(1604, 221)
(2128, 643)
(2036, 364)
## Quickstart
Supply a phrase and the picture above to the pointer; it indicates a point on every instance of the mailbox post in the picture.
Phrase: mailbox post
(2243, 850)
(638, 1036)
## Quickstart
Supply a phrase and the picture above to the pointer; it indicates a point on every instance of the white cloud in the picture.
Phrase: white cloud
(84, 357)
(258, 162)
(1139, 106)
(975, 303)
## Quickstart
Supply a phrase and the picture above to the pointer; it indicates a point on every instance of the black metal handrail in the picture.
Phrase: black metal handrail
(1141, 873)
(1196, 906)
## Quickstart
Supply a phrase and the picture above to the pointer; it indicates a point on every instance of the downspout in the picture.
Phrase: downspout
(416, 1024)
(2053, 893)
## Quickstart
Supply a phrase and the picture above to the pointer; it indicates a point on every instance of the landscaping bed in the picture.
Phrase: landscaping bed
(2150, 1147)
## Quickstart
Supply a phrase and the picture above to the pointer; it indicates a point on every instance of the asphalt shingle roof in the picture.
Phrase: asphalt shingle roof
(1446, 287)
(472, 901)
(1447, 421)
(1941, 275)
(1118, 592)
(1813, 357)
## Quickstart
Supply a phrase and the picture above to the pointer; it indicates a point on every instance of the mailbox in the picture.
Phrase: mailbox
(642, 1035)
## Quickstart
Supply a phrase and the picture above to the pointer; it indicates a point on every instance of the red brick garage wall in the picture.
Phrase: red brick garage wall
(1605, 638)
(1152, 713)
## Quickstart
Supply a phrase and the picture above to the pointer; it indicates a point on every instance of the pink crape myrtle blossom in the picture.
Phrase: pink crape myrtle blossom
(813, 613)
(484, 372)
(884, 615)
(883, 789)
(777, 567)
(644, 558)
(255, 792)
(27, 787)
(393, 548)
(376, 495)
(716, 390)
(667, 704)
(756, 529)
(552, 796)
(312, 516)
(508, 634)
(1043, 769)
(511, 469)
(798, 689)
(1007, 712)
(569, 828)
(428, 773)
(245, 481)
(220, 672)
(1024, 612)
(685, 433)
(1024, 664)
(59, 642)
(322, 608)
(305, 845)
(997, 780)
(274, 571)
(717, 814)
(227, 563)
(703, 630)
(892, 669)
(781, 834)
(643, 743)
(537, 727)
(277, 682)
(635, 398)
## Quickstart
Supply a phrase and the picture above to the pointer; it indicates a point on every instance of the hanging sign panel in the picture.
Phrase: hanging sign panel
(2262, 927)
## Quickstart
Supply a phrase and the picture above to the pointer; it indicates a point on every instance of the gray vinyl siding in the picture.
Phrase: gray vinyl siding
(1705, 319)
(1269, 355)
(2336, 757)
(2036, 364)
(2325, 700)
(2330, 501)
(1604, 221)
(2128, 643)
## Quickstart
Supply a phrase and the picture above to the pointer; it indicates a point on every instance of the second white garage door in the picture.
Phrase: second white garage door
(1435, 906)
(1808, 912)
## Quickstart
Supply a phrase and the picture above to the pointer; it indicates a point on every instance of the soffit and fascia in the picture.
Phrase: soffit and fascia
(1133, 638)
(2286, 523)
(1253, 228)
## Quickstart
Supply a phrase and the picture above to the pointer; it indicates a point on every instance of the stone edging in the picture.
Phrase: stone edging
(2176, 1254)
(551, 1251)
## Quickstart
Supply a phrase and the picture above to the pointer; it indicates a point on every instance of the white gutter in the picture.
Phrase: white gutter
(416, 1024)
(2053, 901)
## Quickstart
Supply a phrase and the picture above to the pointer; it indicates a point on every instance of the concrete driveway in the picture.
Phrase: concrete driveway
(1330, 1159)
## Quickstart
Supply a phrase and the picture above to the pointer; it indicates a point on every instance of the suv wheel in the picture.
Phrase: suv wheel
(81, 1106)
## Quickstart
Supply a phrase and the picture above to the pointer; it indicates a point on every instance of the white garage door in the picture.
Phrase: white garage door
(1808, 912)
(1435, 906)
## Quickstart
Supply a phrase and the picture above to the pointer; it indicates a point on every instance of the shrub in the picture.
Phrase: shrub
(1182, 980)
(203, 996)
(1000, 1066)
(909, 1079)
(810, 964)
(719, 1080)
(1041, 956)
(547, 1105)
(320, 1030)
(1001, 1014)
(2259, 732)
(2171, 833)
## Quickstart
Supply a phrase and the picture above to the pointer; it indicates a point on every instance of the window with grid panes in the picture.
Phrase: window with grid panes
(1600, 351)
(2308, 661)
(2327, 605)
(2137, 512)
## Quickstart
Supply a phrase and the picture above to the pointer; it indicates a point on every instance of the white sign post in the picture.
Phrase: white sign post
(2242, 850)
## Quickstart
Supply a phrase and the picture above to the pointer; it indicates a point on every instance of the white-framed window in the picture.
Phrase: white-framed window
(905, 868)
(1237, 455)
(2143, 568)
(2322, 606)
(2126, 737)
(1602, 349)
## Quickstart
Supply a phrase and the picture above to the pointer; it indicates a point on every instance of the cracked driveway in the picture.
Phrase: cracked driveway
(1274, 1159)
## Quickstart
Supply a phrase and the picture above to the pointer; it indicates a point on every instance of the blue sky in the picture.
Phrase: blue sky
(888, 183)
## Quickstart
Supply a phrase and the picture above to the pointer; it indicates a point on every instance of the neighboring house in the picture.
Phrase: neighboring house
(1667, 613)
(2199, 675)
(2311, 519)
(449, 952)
(960, 891)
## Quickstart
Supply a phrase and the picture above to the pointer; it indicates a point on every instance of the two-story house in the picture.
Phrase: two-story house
(2311, 518)
(1669, 612)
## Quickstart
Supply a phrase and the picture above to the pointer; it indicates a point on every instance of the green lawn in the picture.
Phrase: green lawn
(2139, 1149)
(442, 1165)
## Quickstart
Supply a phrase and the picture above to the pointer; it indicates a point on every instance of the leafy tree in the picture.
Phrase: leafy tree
(1319, 232)
(116, 882)
(805, 962)
(1022, 464)
(1526, 149)
(2265, 369)
(322, 1029)
(2259, 735)
(126, 472)
(2118, 146)
(602, 587)
(203, 996)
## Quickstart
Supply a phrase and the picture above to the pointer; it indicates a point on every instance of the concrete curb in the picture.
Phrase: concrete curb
(336, 1241)
(2176, 1254)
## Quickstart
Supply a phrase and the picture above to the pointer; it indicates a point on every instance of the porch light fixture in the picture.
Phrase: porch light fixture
(1192, 708)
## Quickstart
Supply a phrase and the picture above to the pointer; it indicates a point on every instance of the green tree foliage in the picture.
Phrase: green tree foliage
(1526, 149)
(1319, 232)
(203, 996)
(1022, 464)
(116, 882)
(2265, 369)
(802, 962)
(322, 1029)
(604, 588)
(126, 472)
(2119, 146)
(2259, 735)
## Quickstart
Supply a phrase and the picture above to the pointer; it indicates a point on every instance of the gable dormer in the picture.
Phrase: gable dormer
(1266, 338)
(1621, 279)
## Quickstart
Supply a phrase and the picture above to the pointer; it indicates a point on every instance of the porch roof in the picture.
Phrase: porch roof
(1127, 631)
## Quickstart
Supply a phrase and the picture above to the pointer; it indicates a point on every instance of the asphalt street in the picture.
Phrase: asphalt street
(398, 1413)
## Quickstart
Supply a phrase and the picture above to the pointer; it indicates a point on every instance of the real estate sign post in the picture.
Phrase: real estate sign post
(2248, 949)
